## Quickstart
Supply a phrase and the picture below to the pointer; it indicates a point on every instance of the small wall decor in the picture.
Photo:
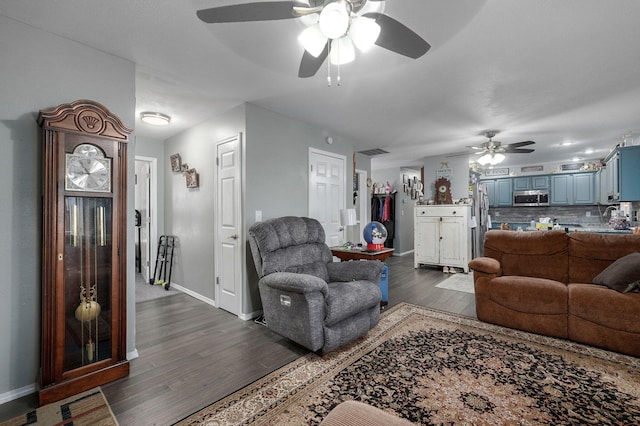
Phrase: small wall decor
(191, 177)
(443, 191)
(527, 169)
(176, 163)
(184, 168)
(497, 171)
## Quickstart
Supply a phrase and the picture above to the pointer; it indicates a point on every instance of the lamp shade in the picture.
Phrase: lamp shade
(313, 40)
(342, 51)
(364, 32)
(348, 217)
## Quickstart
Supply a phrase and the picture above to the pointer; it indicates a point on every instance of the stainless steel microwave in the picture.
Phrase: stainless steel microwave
(531, 198)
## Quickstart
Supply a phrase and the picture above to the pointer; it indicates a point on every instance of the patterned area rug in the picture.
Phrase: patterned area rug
(89, 408)
(435, 368)
(459, 282)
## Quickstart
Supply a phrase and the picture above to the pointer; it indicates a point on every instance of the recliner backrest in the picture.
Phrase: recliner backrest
(289, 244)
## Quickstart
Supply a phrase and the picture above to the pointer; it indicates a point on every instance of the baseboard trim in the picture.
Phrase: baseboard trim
(132, 355)
(18, 393)
(194, 295)
(404, 253)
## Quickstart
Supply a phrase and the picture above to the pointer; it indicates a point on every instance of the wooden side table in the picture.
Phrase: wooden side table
(359, 254)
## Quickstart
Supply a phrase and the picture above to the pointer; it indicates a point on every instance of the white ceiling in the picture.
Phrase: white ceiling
(543, 70)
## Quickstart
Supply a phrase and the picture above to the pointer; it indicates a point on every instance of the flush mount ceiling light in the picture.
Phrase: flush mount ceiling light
(155, 118)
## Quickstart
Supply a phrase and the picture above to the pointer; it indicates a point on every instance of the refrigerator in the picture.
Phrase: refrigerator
(479, 215)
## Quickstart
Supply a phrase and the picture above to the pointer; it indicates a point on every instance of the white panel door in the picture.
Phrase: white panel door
(450, 238)
(227, 250)
(327, 182)
(427, 240)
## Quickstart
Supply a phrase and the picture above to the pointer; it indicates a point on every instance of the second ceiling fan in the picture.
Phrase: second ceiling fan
(340, 27)
(492, 152)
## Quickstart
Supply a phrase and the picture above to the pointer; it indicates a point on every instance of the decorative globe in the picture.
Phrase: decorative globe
(375, 234)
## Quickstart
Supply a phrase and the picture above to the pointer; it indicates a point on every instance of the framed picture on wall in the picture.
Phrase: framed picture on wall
(192, 178)
(176, 162)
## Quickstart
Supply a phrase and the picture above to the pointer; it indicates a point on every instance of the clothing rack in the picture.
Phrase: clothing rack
(383, 210)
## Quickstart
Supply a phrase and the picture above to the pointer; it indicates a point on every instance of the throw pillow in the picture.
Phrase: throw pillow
(622, 275)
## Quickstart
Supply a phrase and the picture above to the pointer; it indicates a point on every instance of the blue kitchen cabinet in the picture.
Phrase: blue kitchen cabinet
(504, 192)
(500, 192)
(540, 182)
(584, 188)
(572, 189)
(561, 192)
(629, 173)
(531, 183)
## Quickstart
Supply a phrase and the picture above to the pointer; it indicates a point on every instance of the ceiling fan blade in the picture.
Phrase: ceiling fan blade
(518, 150)
(397, 38)
(479, 148)
(519, 144)
(248, 12)
(309, 65)
(303, 11)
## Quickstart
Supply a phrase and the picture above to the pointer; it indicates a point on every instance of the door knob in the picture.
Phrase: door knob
(234, 237)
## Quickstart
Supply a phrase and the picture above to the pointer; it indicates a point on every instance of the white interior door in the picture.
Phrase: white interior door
(327, 183)
(228, 222)
(146, 203)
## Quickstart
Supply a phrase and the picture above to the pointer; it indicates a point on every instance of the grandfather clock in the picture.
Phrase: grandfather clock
(84, 249)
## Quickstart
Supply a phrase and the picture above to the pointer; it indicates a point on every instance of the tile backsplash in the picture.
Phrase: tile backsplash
(585, 216)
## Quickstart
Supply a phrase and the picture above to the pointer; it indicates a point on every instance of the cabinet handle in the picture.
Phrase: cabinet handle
(454, 212)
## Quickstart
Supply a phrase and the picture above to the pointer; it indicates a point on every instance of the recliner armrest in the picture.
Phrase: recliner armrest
(486, 265)
(355, 270)
(294, 282)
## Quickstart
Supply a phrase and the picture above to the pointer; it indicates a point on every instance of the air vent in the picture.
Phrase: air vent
(372, 152)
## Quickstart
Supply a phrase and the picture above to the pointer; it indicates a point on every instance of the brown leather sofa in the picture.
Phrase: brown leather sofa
(541, 282)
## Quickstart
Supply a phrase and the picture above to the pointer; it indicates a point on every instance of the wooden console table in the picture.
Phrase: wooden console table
(359, 254)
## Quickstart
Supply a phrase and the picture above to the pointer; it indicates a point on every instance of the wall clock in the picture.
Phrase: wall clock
(443, 191)
(84, 249)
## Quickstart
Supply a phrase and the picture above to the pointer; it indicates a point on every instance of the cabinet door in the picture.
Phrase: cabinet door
(521, 184)
(561, 190)
(540, 182)
(629, 173)
(583, 188)
(451, 234)
(504, 192)
(427, 240)
(490, 186)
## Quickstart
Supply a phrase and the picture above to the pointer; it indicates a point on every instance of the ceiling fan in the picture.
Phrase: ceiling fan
(492, 152)
(339, 27)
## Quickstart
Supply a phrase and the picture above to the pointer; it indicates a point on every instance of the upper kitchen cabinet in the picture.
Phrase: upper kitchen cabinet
(500, 192)
(572, 189)
(620, 176)
(531, 183)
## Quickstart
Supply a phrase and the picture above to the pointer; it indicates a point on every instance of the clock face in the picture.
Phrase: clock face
(87, 170)
(442, 188)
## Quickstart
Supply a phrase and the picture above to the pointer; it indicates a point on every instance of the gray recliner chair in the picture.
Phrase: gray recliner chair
(306, 297)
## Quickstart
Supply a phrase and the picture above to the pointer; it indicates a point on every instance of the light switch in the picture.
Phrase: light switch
(258, 215)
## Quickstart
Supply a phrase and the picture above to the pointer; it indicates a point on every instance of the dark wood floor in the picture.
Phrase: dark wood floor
(191, 355)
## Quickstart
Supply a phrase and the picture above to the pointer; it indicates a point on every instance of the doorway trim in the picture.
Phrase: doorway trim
(153, 204)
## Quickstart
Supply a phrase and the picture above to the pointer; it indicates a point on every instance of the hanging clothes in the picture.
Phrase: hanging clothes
(386, 210)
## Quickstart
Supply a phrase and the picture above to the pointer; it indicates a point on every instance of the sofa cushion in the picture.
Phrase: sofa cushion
(622, 275)
(590, 253)
(317, 269)
(530, 295)
(540, 254)
(599, 305)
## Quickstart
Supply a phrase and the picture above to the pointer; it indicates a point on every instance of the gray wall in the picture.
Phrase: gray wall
(275, 181)
(41, 71)
(459, 178)
(189, 211)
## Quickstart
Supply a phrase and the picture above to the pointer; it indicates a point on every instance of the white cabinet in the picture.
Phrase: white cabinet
(442, 236)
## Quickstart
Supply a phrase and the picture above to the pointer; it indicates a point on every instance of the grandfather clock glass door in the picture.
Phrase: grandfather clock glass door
(84, 249)
(87, 276)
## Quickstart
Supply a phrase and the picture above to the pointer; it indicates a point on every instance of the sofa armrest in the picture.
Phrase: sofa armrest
(294, 282)
(486, 265)
(355, 270)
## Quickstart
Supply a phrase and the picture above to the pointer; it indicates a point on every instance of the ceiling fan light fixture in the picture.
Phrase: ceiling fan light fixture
(491, 159)
(342, 51)
(155, 118)
(364, 32)
(334, 20)
(313, 40)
